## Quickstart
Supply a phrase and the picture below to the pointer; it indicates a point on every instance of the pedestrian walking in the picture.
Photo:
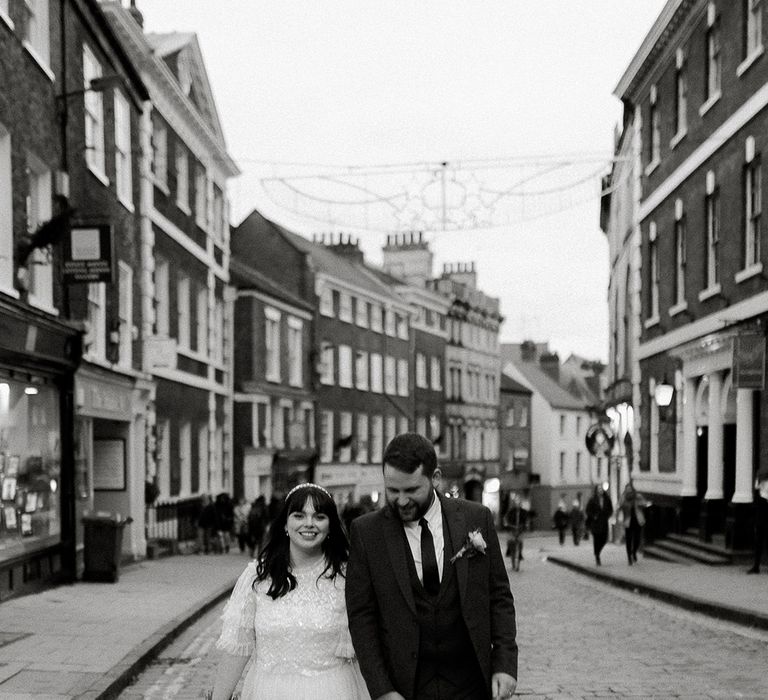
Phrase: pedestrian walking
(241, 523)
(631, 508)
(599, 510)
(761, 519)
(561, 519)
(576, 520)
(207, 524)
(225, 513)
(257, 523)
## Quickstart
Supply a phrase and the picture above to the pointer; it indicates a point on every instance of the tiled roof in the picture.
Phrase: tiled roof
(509, 384)
(554, 394)
(245, 277)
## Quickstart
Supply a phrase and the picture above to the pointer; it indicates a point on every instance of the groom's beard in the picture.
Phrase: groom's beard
(413, 512)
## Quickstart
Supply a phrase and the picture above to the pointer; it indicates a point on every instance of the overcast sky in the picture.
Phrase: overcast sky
(357, 82)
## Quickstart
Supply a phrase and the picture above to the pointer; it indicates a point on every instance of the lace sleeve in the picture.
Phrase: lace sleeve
(237, 634)
(344, 648)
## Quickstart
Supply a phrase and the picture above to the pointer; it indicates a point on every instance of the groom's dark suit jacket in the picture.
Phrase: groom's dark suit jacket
(381, 606)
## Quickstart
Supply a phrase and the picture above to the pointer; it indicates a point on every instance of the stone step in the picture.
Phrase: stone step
(697, 554)
(716, 546)
(653, 552)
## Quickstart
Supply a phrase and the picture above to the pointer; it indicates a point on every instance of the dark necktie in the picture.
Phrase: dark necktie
(430, 574)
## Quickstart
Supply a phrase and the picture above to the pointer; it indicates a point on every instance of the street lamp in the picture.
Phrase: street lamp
(663, 393)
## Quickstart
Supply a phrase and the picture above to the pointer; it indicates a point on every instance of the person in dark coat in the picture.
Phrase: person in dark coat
(576, 519)
(225, 512)
(599, 510)
(761, 519)
(428, 601)
(632, 506)
(257, 524)
(561, 519)
(207, 524)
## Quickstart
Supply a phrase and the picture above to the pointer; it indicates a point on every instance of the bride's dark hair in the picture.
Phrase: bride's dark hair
(274, 560)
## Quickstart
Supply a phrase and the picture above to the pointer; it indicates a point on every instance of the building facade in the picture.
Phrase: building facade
(274, 402)
(183, 276)
(472, 378)
(696, 93)
(516, 475)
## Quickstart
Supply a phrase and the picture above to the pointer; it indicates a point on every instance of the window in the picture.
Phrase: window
(653, 273)
(578, 426)
(376, 373)
(183, 314)
(345, 366)
(362, 439)
(655, 127)
(280, 422)
(184, 467)
(401, 324)
(123, 160)
(402, 377)
(390, 429)
(272, 344)
(96, 340)
(523, 416)
(753, 210)
(160, 153)
(38, 203)
(681, 95)
(510, 421)
(6, 211)
(390, 375)
(202, 459)
(295, 327)
(345, 307)
(217, 351)
(421, 425)
(94, 116)
(361, 370)
(578, 465)
(376, 322)
(562, 466)
(377, 439)
(712, 206)
(261, 421)
(182, 178)
(35, 29)
(326, 302)
(346, 436)
(125, 314)
(309, 426)
(403, 424)
(714, 61)
(326, 366)
(437, 373)
(161, 297)
(389, 322)
(326, 436)
(680, 254)
(753, 27)
(201, 196)
(361, 312)
(562, 424)
(421, 370)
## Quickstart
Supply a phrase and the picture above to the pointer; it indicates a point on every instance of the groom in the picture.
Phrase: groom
(428, 599)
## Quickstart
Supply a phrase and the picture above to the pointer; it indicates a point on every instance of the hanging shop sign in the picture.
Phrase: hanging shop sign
(749, 361)
(599, 439)
(89, 254)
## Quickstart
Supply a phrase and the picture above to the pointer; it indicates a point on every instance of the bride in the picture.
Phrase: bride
(287, 612)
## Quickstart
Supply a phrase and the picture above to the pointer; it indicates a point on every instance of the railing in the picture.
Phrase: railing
(174, 521)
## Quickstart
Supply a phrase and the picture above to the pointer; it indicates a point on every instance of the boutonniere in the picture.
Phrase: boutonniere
(474, 544)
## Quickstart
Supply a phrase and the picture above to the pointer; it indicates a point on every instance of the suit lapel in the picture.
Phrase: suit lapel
(396, 544)
(457, 528)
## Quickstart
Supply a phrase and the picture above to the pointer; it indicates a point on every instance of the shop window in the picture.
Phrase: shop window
(30, 467)
(94, 117)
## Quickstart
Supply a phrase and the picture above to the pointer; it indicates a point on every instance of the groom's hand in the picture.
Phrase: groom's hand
(391, 695)
(502, 686)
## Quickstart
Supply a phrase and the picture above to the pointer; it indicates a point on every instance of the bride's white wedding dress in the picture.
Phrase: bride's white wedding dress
(299, 644)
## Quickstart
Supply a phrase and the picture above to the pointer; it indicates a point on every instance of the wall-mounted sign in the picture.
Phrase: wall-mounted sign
(89, 254)
(749, 361)
(599, 439)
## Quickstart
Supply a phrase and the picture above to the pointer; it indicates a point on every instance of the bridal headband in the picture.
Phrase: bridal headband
(306, 486)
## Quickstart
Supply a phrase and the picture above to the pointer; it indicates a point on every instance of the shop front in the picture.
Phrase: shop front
(38, 356)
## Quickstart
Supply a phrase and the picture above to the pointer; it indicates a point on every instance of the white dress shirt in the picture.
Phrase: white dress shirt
(434, 518)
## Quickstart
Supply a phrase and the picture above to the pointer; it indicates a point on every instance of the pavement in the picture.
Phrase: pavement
(88, 640)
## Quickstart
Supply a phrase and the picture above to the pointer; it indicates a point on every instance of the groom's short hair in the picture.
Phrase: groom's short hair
(408, 451)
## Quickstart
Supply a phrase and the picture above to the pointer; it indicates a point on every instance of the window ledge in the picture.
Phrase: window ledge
(709, 292)
(652, 321)
(748, 272)
(162, 186)
(184, 208)
(41, 62)
(42, 305)
(6, 20)
(127, 204)
(711, 102)
(100, 176)
(678, 308)
(749, 60)
(652, 166)
(677, 138)
(9, 291)
(192, 354)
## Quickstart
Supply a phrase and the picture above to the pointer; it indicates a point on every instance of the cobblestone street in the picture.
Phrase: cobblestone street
(578, 639)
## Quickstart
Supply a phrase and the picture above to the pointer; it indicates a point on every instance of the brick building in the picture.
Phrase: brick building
(515, 443)
(274, 444)
(184, 271)
(696, 95)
